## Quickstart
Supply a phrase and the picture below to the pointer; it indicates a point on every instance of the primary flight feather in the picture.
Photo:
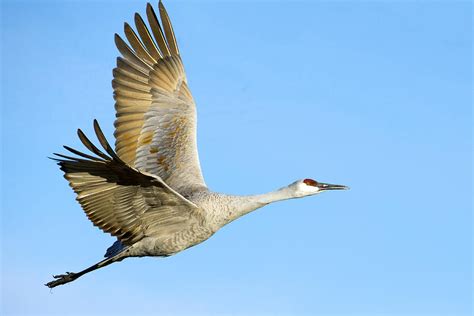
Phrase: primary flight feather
(149, 192)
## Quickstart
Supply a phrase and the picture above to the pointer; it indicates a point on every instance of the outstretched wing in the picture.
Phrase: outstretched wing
(121, 200)
(155, 128)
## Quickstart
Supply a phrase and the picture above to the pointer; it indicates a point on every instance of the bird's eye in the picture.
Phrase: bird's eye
(310, 182)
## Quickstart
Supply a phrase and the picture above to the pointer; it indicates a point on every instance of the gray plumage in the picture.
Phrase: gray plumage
(149, 192)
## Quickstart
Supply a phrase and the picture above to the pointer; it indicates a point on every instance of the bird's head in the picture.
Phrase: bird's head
(307, 187)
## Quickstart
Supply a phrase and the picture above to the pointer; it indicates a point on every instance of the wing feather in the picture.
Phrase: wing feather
(128, 53)
(124, 81)
(121, 200)
(173, 46)
(132, 71)
(157, 31)
(155, 125)
(137, 45)
(146, 38)
(89, 145)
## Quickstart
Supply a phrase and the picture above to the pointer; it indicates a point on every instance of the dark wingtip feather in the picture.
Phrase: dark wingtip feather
(103, 141)
(54, 158)
(65, 157)
(89, 145)
(77, 152)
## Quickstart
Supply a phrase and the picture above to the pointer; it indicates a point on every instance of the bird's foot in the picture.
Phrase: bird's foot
(61, 279)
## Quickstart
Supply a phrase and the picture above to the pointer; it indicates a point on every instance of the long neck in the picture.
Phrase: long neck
(242, 205)
(274, 196)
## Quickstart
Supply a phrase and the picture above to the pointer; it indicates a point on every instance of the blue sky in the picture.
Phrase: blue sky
(375, 95)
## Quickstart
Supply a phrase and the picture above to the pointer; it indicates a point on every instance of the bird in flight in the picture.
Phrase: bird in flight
(149, 192)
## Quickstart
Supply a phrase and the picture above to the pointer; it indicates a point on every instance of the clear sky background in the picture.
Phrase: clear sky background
(375, 95)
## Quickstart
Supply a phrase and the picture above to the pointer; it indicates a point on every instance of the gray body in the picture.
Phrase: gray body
(218, 210)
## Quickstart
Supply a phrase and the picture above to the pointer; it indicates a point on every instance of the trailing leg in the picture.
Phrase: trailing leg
(70, 276)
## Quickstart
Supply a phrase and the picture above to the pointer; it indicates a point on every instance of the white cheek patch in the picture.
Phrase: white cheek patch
(305, 189)
(309, 188)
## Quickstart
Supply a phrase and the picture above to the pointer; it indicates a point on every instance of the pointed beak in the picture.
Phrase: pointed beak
(327, 187)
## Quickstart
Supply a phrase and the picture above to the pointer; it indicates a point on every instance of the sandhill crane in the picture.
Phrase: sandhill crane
(149, 193)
